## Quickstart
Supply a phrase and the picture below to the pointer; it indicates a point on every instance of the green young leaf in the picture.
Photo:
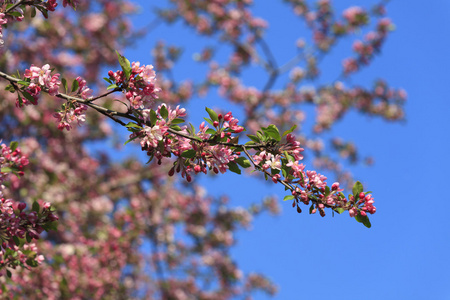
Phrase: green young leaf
(363, 219)
(339, 210)
(125, 64)
(51, 226)
(8, 273)
(112, 86)
(15, 14)
(107, 80)
(311, 208)
(13, 145)
(28, 96)
(189, 153)
(209, 121)
(175, 127)
(210, 131)
(35, 207)
(192, 130)
(289, 130)
(6, 170)
(75, 85)
(153, 117)
(273, 132)
(212, 114)
(177, 121)
(33, 12)
(133, 125)
(10, 88)
(25, 83)
(254, 138)
(132, 139)
(357, 189)
(288, 197)
(16, 240)
(234, 168)
(28, 237)
(64, 83)
(243, 162)
(32, 263)
(164, 112)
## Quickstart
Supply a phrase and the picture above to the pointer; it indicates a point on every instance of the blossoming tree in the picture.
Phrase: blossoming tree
(79, 219)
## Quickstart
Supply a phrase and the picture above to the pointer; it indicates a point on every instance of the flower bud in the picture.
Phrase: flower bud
(22, 206)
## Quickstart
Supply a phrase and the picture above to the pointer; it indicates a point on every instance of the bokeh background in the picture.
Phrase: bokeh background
(405, 253)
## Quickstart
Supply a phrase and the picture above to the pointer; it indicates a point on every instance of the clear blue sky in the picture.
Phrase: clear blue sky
(405, 253)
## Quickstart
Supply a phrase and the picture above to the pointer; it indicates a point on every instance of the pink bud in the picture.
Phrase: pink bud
(216, 124)
(361, 195)
(22, 206)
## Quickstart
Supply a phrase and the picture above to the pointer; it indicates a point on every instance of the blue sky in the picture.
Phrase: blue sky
(405, 253)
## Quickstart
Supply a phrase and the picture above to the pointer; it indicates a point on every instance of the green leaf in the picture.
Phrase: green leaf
(164, 112)
(75, 85)
(212, 114)
(133, 125)
(64, 83)
(365, 220)
(311, 208)
(175, 127)
(112, 86)
(189, 153)
(192, 131)
(288, 197)
(32, 263)
(28, 237)
(29, 97)
(13, 145)
(25, 83)
(6, 170)
(35, 207)
(254, 138)
(51, 226)
(153, 117)
(243, 162)
(234, 167)
(15, 14)
(10, 88)
(289, 130)
(177, 121)
(107, 80)
(209, 121)
(273, 132)
(125, 64)
(16, 240)
(357, 189)
(8, 272)
(132, 139)
(33, 12)
(210, 131)
(339, 210)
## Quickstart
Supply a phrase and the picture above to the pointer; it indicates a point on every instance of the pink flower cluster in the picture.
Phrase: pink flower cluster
(73, 3)
(140, 88)
(74, 111)
(41, 78)
(15, 223)
(157, 141)
(367, 48)
(363, 204)
(13, 160)
(355, 16)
